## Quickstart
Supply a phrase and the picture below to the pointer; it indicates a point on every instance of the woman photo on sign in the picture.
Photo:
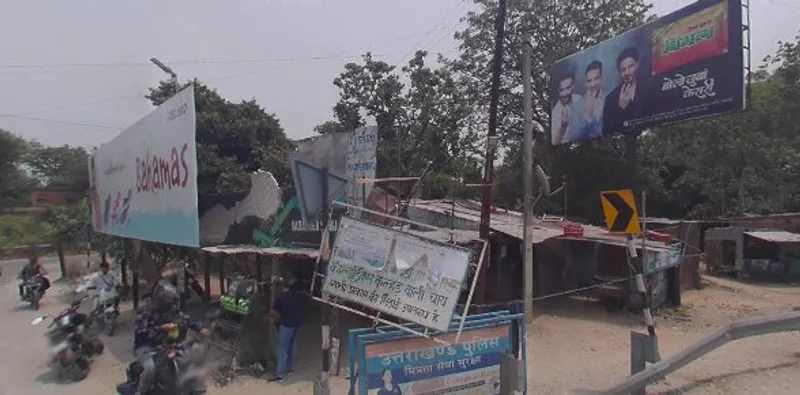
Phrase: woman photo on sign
(388, 387)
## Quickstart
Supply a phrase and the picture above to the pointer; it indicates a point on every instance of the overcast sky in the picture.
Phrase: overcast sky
(75, 71)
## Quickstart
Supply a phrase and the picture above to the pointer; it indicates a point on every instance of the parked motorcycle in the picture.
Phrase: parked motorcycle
(32, 291)
(180, 367)
(71, 344)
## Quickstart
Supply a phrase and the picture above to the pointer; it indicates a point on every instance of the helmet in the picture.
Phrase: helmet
(164, 295)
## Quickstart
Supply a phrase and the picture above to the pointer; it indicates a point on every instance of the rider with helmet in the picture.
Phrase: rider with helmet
(161, 310)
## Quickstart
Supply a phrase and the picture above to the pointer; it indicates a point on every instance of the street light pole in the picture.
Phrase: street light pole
(182, 266)
(167, 70)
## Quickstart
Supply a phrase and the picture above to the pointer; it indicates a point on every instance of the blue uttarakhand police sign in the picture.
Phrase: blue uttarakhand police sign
(421, 366)
(686, 65)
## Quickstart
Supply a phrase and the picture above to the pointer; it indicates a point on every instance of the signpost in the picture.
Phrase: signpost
(619, 209)
(392, 358)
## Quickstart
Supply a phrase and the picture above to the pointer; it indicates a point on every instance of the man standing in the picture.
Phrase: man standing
(625, 101)
(105, 280)
(287, 314)
(564, 119)
(593, 101)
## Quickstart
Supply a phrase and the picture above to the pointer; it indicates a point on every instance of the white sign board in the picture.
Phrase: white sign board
(400, 274)
(658, 261)
(144, 181)
(361, 162)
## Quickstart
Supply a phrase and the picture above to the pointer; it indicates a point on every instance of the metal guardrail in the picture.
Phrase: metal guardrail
(739, 329)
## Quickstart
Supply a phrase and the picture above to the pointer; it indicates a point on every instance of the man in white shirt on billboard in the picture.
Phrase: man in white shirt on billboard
(591, 125)
(566, 113)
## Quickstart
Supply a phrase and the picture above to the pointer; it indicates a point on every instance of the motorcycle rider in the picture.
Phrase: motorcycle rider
(31, 269)
(161, 310)
(105, 279)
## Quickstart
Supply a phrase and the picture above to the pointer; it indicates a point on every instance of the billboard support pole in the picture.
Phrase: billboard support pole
(491, 140)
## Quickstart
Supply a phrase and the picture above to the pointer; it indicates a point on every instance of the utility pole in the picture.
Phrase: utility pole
(527, 237)
(491, 143)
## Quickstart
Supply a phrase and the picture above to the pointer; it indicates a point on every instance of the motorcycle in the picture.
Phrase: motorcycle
(32, 291)
(71, 344)
(180, 367)
(104, 311)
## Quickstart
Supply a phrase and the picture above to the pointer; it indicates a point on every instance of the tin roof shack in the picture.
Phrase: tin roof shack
(758, 253)
(789, 222)
(562, 263)
(692, 234)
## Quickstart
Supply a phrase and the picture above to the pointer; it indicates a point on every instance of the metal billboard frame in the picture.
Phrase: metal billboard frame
(422, 332)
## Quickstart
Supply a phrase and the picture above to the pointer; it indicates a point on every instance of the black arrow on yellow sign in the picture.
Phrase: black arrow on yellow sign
(619, 208)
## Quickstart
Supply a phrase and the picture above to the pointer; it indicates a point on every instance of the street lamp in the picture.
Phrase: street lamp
(167, 70)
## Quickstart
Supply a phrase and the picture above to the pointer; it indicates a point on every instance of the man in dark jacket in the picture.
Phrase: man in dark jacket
(287, 313)
(161, 310)
(625, 102)
(30, 270)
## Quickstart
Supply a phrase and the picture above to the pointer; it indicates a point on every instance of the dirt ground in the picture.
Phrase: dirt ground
(574, 346)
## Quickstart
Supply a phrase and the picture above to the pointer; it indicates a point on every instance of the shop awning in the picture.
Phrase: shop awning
(775, 236)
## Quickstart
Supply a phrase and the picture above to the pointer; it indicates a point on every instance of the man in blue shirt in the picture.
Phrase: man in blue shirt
(287, 313)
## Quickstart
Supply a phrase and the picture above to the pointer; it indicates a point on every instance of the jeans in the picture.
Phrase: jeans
(287, 340)
(144, 355)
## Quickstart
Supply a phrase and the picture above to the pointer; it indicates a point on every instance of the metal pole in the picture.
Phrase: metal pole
(491, 137)
(527, 237)
(644, 230)
(327, 312)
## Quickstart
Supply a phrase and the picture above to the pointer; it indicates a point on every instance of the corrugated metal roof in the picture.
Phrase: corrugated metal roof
(775, 236)
(510, 223)
(459, 236)
(273, 251)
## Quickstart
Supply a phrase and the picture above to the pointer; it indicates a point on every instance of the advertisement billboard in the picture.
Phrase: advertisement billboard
(144, 181)
(421, 366)
(685, 65)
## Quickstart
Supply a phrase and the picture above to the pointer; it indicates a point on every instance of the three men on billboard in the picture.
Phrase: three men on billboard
(668, 70)
(623, 103)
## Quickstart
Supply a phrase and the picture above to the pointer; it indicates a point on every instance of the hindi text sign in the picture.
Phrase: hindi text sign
(404, 275)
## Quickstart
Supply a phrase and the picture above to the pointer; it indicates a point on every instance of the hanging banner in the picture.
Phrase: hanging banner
(684, 65)
(404, 275)
(144, 181)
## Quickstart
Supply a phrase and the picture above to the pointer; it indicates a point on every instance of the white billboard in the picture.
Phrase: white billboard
(144, 181)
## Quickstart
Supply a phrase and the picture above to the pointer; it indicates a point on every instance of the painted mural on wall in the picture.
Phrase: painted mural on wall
(268, 216)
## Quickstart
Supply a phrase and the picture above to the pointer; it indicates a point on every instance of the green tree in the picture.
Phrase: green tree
(65, 225)
(233, 140)
(64, 165)
(421, 122)
(15, 182)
